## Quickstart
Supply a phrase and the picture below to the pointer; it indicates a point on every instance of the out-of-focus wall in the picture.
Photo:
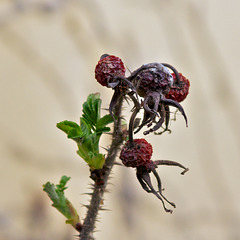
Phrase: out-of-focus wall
(48, 51)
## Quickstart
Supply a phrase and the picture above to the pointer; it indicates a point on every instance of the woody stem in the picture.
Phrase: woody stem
(99, 190)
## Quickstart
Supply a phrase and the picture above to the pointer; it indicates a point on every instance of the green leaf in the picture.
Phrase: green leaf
(88, 133)
(61, 186)
(72, 129)
(60, 202)
(86, 128)
(91, 109)
(102, 130)
(102, 122)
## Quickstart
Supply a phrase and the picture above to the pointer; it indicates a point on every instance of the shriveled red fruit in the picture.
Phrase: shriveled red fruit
(107, 68)
(179, 91)
(137, 154)
(153, 79)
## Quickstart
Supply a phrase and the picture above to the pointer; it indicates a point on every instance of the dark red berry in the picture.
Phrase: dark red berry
(153, 79)
(108, 67)
(137, 154)
(179, 90)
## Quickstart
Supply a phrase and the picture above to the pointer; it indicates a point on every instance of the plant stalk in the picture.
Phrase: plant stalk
(99, 190)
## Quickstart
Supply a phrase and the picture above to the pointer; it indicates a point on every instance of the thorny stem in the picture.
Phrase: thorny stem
(99, 190)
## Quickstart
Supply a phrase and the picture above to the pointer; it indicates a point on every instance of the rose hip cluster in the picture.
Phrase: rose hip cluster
(153, 88)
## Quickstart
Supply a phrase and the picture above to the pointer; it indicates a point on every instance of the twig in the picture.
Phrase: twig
(99, 190)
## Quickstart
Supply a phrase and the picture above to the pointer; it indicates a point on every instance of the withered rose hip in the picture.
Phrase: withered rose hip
(137, 154)
(108, 67)
(153, 79)
(179, 90)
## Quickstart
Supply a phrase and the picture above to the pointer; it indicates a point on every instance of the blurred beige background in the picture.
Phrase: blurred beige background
(48, 51)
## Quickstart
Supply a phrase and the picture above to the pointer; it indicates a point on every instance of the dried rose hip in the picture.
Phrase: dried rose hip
(179, 90)
(107, 68)
(137, 154)
(154, 78)
(153, 81)
(110, 72)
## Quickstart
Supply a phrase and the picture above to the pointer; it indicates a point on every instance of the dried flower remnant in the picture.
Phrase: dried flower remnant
(110, 72)
(109, 67)
(153, 82)
(138, 155)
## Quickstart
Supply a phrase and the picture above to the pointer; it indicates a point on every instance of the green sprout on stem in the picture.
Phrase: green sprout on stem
(88, 133)
(61, 203)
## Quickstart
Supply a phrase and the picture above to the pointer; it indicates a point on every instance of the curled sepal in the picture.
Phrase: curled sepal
(61, 203)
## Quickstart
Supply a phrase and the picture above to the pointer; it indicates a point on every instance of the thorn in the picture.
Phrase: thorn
(108, 133)
(107, 191)
(91, 185)
(104, 209)
(90, 194)
(105, 109)
(87, 206)
(117, 163)
(105, 148)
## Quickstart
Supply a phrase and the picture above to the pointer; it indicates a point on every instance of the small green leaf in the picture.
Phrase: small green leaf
(104, 129)
(61, 186)
(96, 105)
(102, 122)
(88, 115)
(60, 202)
(86, 128)
(91, 109)
(72, 129)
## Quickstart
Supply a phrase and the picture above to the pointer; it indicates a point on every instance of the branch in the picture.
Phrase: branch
(99, 190)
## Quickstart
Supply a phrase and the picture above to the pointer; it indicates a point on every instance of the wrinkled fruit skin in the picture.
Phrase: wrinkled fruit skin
(139, 155)
(153, 79)
(108, 67)
(179, 92)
